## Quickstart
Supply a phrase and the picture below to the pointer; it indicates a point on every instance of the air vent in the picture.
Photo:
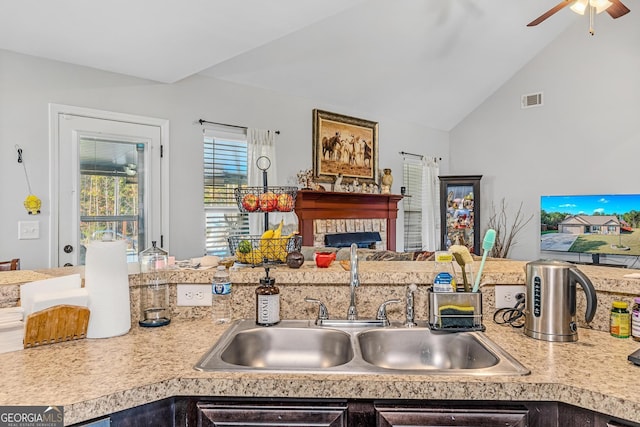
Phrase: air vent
(531, 100)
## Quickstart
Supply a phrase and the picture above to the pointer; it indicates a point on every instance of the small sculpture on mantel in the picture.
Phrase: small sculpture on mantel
(356, 186)
(337, 184)
(387, 180)
(305, 178)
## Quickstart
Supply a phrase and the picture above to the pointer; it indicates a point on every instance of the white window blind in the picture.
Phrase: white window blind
(225, 168)
(412, 204)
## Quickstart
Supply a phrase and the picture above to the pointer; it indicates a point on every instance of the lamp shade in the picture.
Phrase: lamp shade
(600, 5)
(579, 6)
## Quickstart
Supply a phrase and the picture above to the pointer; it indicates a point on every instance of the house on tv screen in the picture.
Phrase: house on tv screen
(593, 224)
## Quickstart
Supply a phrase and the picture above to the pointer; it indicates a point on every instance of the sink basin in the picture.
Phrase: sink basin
(288, 348)
(299, 346)
(423, 349)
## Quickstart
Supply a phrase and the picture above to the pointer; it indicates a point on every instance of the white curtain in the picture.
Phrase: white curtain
(430, 204)
(261, 142)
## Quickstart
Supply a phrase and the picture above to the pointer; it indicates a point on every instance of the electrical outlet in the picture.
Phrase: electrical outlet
(506, 295)
(190, 295)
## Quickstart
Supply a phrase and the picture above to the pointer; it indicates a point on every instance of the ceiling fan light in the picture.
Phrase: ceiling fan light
(579, 6)
(600, 5)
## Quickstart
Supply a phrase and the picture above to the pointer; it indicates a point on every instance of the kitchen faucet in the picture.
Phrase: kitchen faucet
(352, 313)
(409, 309)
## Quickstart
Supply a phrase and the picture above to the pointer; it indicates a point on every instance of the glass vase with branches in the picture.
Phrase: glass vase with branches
(506, 230)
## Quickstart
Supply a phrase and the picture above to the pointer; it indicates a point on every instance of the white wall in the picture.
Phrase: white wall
(584, 140)
(28, 85)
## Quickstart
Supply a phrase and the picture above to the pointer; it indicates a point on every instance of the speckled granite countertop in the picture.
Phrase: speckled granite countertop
(100, 376)
(374, 272)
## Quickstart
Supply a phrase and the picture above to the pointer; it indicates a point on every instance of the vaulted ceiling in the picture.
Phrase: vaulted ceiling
(429, 62)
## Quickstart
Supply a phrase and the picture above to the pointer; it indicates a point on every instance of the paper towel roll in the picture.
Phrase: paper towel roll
(107, 281)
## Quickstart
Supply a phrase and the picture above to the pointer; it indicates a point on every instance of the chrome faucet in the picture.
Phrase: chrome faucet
(410, 310)
(352, 313)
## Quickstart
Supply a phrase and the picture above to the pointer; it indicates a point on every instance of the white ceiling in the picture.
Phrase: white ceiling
(429, 62)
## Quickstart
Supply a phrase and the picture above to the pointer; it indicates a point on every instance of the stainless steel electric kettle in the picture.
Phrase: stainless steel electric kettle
(550, 302)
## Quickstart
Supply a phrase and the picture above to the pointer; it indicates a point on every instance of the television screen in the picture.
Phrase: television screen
(596, 224)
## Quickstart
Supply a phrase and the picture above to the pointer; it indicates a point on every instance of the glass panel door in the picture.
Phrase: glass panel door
(108, 179)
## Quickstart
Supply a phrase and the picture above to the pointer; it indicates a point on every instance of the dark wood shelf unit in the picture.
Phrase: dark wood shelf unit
(471, 233)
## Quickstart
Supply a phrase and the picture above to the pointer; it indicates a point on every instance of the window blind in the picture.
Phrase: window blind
(412, 204)
(225, 168)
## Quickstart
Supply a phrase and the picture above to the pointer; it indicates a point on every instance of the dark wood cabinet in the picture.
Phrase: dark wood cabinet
(210, 414)
(572, 416)
(434, 417)
(460, 212)
(225, 412)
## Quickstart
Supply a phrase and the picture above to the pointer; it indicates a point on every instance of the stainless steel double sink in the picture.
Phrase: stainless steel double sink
(302, 347)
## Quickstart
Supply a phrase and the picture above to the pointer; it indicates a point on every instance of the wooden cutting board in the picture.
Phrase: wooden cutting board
(56, 324)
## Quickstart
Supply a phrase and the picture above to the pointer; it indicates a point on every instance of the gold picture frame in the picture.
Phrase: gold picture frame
(344, 145)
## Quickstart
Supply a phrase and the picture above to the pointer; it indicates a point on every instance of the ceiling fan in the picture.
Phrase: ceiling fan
(614, 8)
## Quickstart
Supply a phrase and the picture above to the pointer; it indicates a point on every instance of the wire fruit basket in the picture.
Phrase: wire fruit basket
(256, 250)
(269, 199)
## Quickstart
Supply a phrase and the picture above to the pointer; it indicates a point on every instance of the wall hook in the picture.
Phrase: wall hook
(32, 203)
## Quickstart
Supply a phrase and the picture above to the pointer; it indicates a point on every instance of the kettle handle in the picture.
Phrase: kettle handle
(590, 292)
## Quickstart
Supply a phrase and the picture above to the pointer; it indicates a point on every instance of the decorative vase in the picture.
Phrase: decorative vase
(387, 180)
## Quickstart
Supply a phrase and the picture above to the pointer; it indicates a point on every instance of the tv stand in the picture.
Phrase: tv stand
(599, 265)
(595, 261)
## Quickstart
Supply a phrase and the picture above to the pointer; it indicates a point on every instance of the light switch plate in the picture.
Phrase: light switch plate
(28, 230)
(190, 295)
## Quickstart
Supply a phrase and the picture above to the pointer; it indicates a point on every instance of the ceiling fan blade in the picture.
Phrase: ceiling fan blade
(551, 12)
(617, 9)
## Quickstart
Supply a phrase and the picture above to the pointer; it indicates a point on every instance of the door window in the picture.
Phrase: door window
(111, 193)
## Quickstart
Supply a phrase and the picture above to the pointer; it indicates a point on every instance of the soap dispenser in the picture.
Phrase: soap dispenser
(154, 290)
(267, 301)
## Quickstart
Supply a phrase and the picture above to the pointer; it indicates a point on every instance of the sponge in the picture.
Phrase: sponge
(456, 316)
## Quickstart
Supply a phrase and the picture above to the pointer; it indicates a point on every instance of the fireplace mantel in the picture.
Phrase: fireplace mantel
(312, 205)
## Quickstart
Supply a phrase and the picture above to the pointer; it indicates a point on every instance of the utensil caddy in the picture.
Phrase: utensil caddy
(269, 251)
(463, 311)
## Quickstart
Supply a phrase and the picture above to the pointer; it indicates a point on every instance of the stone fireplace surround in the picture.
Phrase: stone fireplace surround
(323, 212)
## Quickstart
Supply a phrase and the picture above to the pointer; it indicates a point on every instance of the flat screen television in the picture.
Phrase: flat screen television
(607, 224)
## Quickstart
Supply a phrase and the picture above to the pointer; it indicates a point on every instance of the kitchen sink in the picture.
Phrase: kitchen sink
(422, 349)
(301, 346)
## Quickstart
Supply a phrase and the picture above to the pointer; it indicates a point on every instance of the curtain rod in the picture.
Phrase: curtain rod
(202, 121)
(404, 153)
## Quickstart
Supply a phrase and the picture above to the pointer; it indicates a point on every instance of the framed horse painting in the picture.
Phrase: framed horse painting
(345, 146)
